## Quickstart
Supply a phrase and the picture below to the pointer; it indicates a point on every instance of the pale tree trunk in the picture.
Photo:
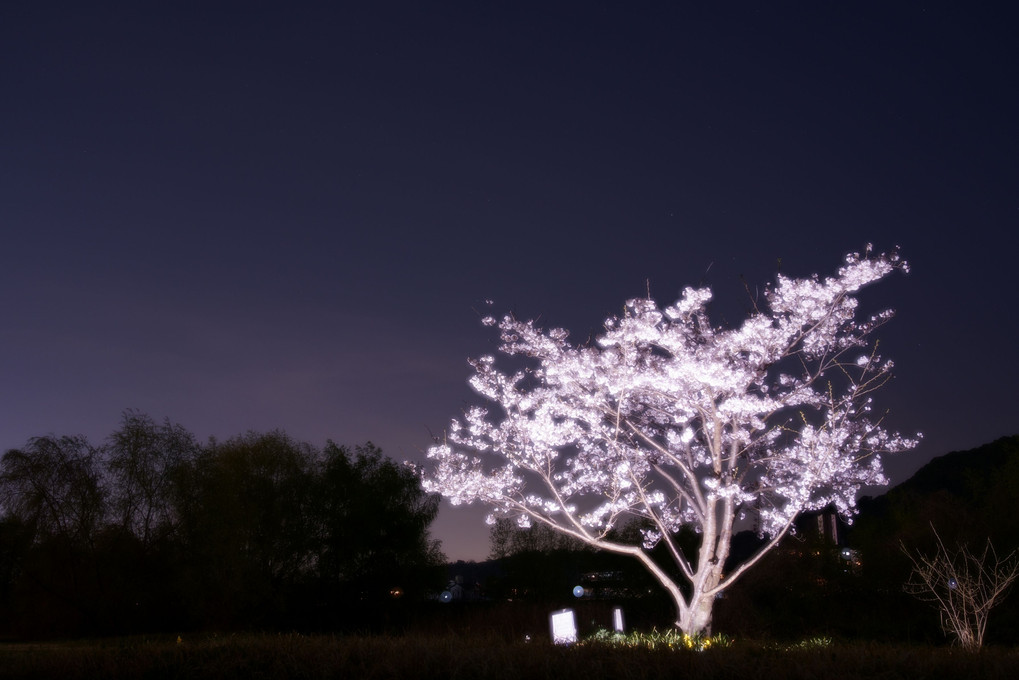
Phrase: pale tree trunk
(694, 612)
(696, 619)
(694, 615)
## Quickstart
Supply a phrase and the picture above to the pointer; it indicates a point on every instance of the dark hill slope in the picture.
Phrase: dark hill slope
(967, 496)
(964, 473)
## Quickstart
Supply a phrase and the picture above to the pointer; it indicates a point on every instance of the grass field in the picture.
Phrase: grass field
(445, 656)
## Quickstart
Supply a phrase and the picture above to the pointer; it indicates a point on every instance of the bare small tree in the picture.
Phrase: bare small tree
(963, 586)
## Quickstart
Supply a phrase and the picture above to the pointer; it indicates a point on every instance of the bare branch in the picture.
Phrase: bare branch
(962, 586)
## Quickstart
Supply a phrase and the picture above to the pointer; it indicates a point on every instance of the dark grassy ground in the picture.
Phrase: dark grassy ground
(446, 656)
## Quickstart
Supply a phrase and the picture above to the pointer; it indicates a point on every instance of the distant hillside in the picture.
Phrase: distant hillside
(963, 474)
(956, 472)
(967, 495)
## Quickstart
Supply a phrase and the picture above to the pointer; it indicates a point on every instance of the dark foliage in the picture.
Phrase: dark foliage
(154, 532)
(372, 537)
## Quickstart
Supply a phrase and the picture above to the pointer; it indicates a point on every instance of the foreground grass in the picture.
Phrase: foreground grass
(421, 656)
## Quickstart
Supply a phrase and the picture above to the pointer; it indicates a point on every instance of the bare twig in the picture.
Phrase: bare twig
(963, 586)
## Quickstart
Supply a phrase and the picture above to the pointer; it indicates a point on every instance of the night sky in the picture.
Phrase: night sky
(248, 216)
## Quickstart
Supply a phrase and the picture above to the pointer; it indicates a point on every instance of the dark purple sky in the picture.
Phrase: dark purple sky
(287, 215)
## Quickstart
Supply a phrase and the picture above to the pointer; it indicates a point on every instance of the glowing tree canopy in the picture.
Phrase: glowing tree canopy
(673, 422)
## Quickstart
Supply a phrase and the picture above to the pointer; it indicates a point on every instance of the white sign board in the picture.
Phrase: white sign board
(564, 627)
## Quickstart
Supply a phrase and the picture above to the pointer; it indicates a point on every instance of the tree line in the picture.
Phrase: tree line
(152, 530)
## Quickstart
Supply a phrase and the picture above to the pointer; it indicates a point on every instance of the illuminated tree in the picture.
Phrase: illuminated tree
(675, 422)
(963, 586)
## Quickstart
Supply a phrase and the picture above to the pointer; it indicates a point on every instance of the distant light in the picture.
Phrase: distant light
(578, 591)
(446, 596)
(953, 584)
(617, 620)
(396, 592)
(564, 627)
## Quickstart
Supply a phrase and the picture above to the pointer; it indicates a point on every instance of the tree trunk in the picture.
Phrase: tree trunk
(695, 620)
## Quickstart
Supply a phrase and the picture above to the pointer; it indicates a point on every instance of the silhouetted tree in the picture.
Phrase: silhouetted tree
(248, 533)
(507, 538)
(55, 485)
(54, 489)
(374, 520)
(144, 460)
(155, 531)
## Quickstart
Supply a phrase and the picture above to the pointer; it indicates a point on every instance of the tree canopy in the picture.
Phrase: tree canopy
(677, 422)
(151, 529)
